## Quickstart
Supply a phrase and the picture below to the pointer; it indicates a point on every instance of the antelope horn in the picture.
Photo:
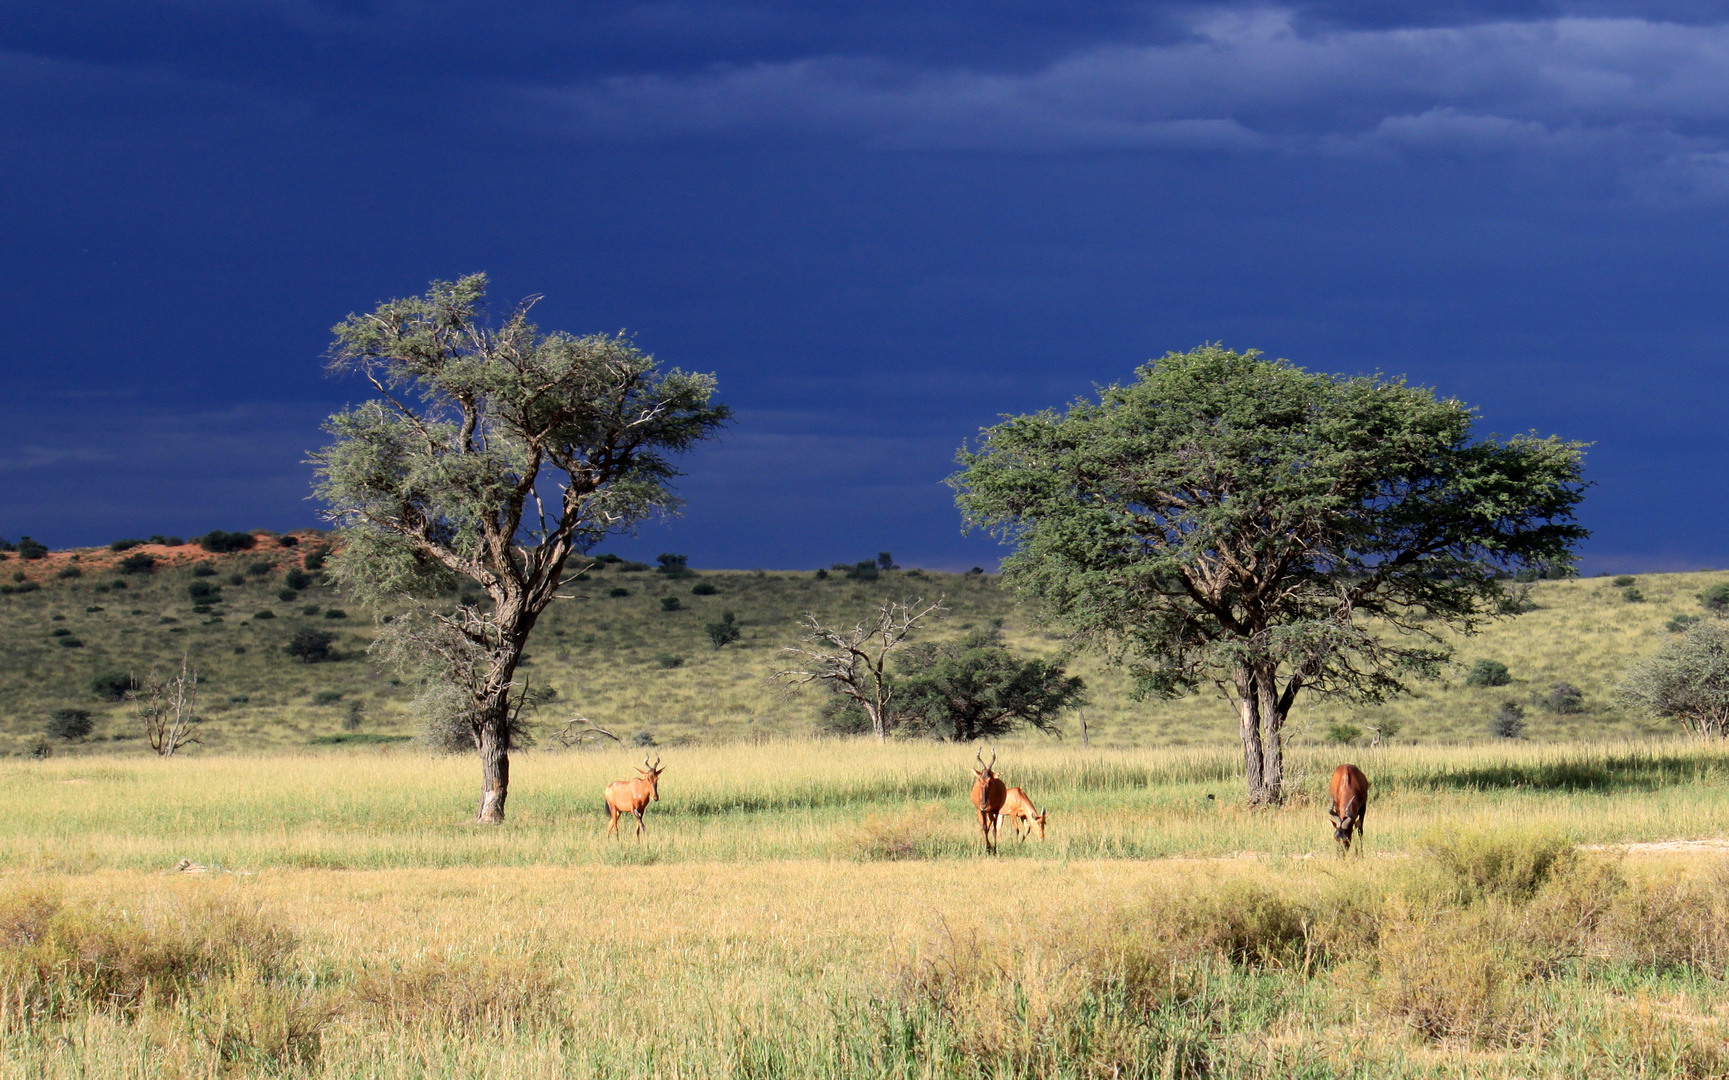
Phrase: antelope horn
(645, 763)
(656, 761)
(993, 763)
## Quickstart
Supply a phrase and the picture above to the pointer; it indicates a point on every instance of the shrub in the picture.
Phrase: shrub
(1716, 598)
(31, 549)
(327, 697)
(618, 592)
(68, 724)
(864, 570)
(885, 561)
(355, 716)
(117, 585)
(287, 596)
(1488, 673)
(236, 579)
(227, 542)
(670, 603)
(668, 660)
(21, 587)
(311, 646)
(1633, 596)
(722, 633)
(1624, 581)
(125, 545)
(265, 614)
(822, 575)
(260, 569)
(1564, 698)
(1680, 623)
(632, 567)
(703, 588)
(137, 563)
(287, 540)
(204, 569)
(111, 685)
(7, 545)
(69, 642)
(1475, 865)
(19, 575)
(1508, 721)
(314, 559)
(643, 738)
(335, 613)
(673, 565)
(310, 609)
(202, 590)
(1345, 734)
(60, 631)
(69, 572)
(297, 579)
(166, 541)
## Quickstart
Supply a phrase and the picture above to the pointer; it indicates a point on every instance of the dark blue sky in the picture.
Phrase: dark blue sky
(881, 224)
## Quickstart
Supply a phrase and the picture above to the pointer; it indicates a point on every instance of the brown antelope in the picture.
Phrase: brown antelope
(1350, 791)
(988, 794)
(633, 796)
(1019, 809)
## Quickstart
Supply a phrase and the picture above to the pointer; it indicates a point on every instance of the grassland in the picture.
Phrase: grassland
(605, 656)
(806, 909)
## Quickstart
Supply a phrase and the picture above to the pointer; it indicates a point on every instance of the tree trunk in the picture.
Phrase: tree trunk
(494, 763)
(1272, 738)
(1249, 715)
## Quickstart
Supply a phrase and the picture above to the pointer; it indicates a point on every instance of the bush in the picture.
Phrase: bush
(260, 569)
(227, 542)
(287, 540)
(822, 575)
(723, 633)
(204, 569)
(68, 724)
(668, 660)
(204, 592)
(1680, 623)
(30, 549)
(117, 585)
(111, 685)
(1716, 598)
(236, 579)
(125, 545)
(312, 646)
(1488, 673)
(335, 613)
(1476, 865)
(643, 738)
(1564, 698)
(69, 642)
(265, 614)
(864, 570)
(314, 559)
(1625, 581)
(137, 563)
(1508, 721)
(1633, 596)
(287, 596)
(327, 697)
(1345, 734)
(355, 716)
(618, 592)
(69, 572)
(703, 588)
(166, 541)
(670, 603)
(671, 565)
(297, 579)
(21, 587)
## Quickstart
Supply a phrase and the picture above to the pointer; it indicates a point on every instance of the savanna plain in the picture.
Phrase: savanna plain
(266, 904)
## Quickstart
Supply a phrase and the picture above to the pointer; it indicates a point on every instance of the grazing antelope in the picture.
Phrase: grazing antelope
(988, 795)
(1018, 809)
(1350, 791)
(633, 796)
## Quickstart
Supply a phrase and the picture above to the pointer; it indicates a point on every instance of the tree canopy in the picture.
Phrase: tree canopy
(1230, 520)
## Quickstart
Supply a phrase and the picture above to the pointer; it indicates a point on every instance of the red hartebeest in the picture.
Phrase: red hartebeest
(988, 795)
(633, 796)
(1019, 809)
(1350, 791)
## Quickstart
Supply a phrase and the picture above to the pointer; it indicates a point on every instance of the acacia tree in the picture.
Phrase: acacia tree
(975, 688)
(1242, 522)
(1687, 680)
(492, 454)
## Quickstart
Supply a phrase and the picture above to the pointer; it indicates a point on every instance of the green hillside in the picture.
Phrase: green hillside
(632, 666)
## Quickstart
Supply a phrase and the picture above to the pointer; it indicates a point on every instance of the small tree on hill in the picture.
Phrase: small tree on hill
(165, 708)
(975, 688)
(1686, 680)
(492, 455)
(1239, 522)
(853, 663)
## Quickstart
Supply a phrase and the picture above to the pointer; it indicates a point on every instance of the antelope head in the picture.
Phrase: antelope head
(651, 773)
(985, 773)
(1039, 821)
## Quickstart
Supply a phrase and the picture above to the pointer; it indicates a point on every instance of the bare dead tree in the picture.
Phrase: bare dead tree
(165, 708)
(852, 662)
(571, 735)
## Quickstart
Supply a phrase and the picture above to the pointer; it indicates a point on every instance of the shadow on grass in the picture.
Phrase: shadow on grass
(1631, 772)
